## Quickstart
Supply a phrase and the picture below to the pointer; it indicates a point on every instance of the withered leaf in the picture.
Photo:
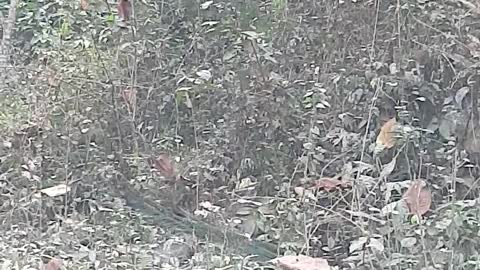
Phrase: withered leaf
(164, 166)
(418, 197)
(385, 138)
(330, 184)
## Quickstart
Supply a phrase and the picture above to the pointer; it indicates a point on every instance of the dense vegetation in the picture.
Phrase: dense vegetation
(195, 133)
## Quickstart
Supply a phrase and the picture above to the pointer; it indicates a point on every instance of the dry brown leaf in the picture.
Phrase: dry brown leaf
(386, 136)
(302, 262)
(418, 197)
(164, 165)
(84, 5)
(330, 184)
(54, 264)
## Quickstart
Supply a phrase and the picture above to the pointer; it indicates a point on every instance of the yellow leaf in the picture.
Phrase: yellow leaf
(386, 138)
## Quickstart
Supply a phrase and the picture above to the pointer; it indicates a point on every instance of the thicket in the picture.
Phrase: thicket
(173, 137)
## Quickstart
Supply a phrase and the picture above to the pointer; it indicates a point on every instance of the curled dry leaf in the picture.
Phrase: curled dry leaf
(330, 184)
(164, 166)
(418, 197)
(386, 139)
(301, 262)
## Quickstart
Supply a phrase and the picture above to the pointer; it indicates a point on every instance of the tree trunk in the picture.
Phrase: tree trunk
(7, 24)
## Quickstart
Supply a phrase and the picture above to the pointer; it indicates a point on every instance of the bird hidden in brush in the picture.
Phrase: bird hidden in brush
(182, 219)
